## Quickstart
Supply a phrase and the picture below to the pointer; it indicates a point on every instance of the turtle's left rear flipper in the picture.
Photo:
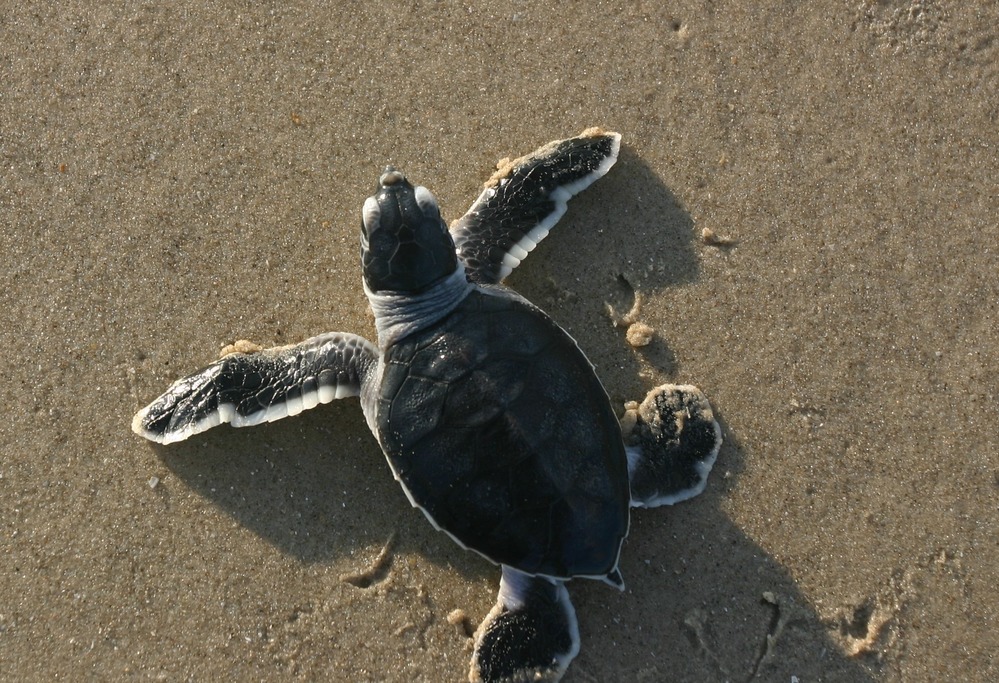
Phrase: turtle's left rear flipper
(525, 198)
(249, 388)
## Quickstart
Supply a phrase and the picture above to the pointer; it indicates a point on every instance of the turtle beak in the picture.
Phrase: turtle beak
(390, 177)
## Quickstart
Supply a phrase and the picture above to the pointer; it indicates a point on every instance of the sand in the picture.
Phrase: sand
(177, 176)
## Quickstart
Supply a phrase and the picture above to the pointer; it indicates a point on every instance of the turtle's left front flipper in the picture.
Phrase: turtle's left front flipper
(525, 198)
(530, 635)
(250, 388)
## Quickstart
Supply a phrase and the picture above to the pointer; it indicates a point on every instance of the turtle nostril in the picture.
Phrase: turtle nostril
(390, 177)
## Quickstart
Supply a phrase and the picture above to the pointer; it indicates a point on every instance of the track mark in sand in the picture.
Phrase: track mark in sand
(862, 629)
(377, 572)
(638, 334)
(874, 625)
(696, 622)
(461, 622)
(783, 613)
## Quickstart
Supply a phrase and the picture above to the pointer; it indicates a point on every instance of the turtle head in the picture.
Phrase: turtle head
(405, 245)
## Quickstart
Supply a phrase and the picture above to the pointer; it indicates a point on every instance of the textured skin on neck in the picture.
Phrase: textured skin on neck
(398, 314)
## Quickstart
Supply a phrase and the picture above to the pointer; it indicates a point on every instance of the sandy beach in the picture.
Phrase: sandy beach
(175, 177)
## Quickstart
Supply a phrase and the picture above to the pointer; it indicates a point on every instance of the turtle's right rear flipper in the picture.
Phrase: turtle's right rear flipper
(530, 635)
(672, 442)
(246, 389)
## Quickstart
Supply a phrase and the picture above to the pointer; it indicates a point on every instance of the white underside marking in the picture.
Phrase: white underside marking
(564, 659)
(291, 407)
(370, 214)
(518, 252)
(212, 420)
(310, 400)
(509, 263)
(513, 586)
(398, 315)
(294, 406)
(271, 413)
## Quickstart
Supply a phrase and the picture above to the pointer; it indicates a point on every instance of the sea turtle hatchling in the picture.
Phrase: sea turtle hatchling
(491, 417)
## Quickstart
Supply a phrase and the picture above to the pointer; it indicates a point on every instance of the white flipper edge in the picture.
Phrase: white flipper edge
(246, 389)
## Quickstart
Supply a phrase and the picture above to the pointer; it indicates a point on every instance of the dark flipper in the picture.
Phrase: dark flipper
(530, 635)
(525, 198)
(249, 388)
(672, 442)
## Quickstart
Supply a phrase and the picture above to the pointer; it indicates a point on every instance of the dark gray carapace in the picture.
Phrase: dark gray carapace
(405, 245)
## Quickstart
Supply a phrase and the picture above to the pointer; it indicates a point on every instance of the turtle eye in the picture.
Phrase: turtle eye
(370, 215)
(426, 201)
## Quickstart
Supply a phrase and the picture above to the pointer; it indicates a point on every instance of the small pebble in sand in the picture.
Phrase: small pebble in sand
(154, 482)
(639, 334)
(710, 237)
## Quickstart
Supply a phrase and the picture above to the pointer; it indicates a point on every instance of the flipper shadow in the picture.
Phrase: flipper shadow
(315, 486)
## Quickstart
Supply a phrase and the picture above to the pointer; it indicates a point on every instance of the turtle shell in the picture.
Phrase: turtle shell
(497, 426)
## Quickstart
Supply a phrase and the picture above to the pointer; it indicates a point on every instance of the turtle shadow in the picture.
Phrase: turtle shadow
(316, 487)
(626, 235)
(704, 601)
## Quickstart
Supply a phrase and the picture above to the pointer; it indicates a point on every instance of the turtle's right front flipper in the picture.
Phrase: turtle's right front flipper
(525, 198)
(250, 388)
